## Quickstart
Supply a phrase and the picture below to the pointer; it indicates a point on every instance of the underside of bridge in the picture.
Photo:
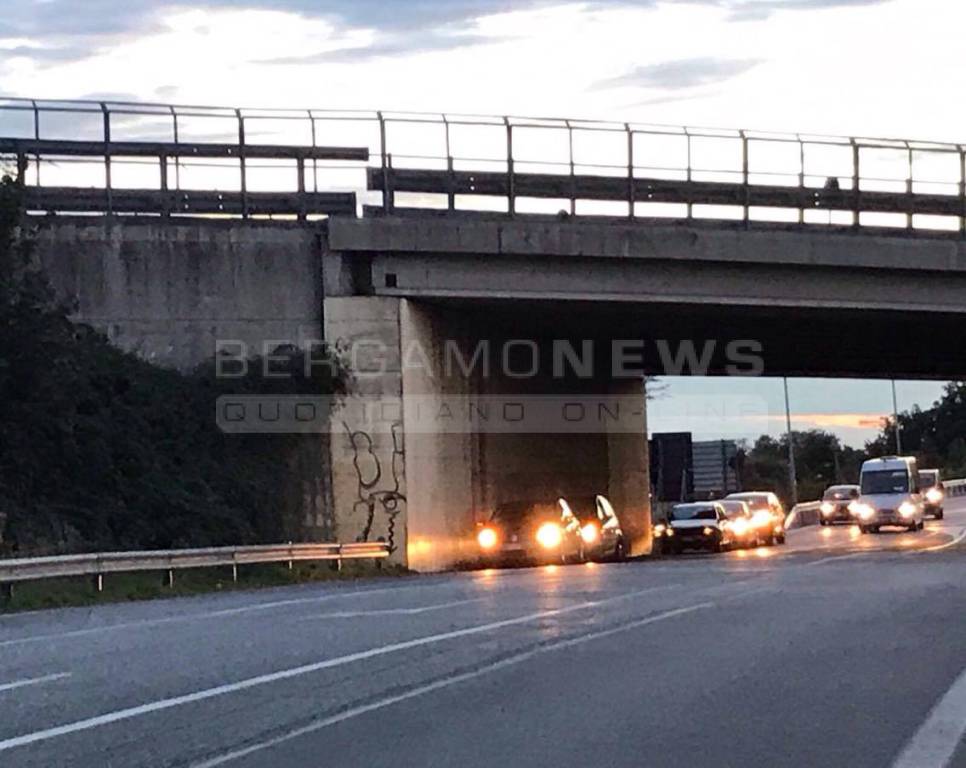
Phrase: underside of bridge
(627, 302)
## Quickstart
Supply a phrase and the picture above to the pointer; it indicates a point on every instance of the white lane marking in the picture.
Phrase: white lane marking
(840, 557)
(199, 616)
(445, 683)
(285, 674)
(391, 611)
(33, 681)
(954, 542)
(935, 743)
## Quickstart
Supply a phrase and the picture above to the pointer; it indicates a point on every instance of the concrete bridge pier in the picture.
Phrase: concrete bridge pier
(433, 434)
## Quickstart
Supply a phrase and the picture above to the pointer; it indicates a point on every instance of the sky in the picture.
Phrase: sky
(885, 68)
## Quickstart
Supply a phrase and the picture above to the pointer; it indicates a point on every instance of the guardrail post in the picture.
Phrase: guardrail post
(744, 176)
(6, 591)
(99, 582)
(291, 556)
(630, 171)
(107, 158)
(170, 577)
(234, 567)
(510, 191)
(855, 184)
(962, 191)
(338, 562)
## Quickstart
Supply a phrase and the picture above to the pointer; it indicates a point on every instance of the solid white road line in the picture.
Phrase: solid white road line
(935, 743)
(286, 674)
(33, 681)
(391, 611)
(954, 542)
(841, 557)
(445, 683)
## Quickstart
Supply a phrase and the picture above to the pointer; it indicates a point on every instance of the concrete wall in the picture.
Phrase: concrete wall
(168, 290)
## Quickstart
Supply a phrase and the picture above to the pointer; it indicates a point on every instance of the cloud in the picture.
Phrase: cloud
(756, 10)
(680, 74)
(385, 46)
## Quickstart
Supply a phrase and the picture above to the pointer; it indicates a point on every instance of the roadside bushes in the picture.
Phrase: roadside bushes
(100, 449)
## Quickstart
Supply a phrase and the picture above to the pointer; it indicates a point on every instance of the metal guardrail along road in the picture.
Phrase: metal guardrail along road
(100, 563)
(156, 159)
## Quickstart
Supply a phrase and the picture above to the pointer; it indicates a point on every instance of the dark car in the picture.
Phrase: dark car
(699, 525)
(594, 523)
(836, 506)
(527, 532)
(933, 492)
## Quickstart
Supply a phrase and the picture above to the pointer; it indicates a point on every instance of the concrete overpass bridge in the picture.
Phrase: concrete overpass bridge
(430, 245)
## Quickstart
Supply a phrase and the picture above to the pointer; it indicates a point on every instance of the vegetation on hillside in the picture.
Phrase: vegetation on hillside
(102, 450)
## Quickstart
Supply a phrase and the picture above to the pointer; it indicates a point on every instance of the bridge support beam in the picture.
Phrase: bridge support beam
(425, 447)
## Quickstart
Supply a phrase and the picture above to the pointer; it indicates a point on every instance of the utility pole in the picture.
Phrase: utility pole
(895, 419)
(792, 475)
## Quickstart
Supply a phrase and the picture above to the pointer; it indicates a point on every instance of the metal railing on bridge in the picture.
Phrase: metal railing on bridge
(154, 159)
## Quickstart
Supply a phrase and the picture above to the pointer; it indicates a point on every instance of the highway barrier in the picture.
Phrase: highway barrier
(98, 564)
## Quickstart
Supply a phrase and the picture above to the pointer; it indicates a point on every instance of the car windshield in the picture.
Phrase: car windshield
(734, 508)
(927, 479)
(838, 492)
(516, 512)
(583, 507)
(756, 502)
(693, 512)
(885, 481)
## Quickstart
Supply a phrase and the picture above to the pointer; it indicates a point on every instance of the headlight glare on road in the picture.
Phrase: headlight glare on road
(549, 535)
(907, 509)
(589, 533)
(934, 495)
(827, 508)
(487, 538)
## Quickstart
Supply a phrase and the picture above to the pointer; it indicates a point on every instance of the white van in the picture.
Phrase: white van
(889, 494)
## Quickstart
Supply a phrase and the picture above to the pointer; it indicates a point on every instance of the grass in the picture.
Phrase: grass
(151, 585)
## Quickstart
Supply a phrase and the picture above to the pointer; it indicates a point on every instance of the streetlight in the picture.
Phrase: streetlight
(792, 475)
(895, 419)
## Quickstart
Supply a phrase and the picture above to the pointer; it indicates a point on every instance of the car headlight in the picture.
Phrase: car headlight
(934, 495)
(863, 511)
(589, 533)
(740, 526)
(907, 509)
(708, 531)
(487, 538)
(549, 535)
(827, 508)
(761, 518)
(659, 529)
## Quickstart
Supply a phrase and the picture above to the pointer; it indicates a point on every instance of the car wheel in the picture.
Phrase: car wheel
(939, 515)
(863, 529)
(620, 551)
(781, 539)
(874, 529)
(823, 523)
(769, 541)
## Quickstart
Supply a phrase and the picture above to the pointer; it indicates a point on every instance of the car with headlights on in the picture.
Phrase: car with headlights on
(836, 504)
(767, 514)
(889, 495)
(527, 531)
(592, 521)
(739, 520)
(933, 491)
(697, 525)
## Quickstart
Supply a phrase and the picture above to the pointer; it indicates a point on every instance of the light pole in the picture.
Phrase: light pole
(792, 476)
(895, 419)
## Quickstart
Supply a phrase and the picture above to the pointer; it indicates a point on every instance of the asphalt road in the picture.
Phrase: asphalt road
(835, 650)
